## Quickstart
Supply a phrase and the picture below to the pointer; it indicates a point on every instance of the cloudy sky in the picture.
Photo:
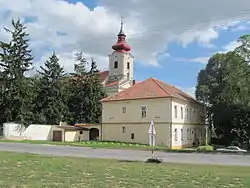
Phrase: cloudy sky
(171, 40)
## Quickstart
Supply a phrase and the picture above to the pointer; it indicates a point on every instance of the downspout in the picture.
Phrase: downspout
(101, 126)
(171, 122)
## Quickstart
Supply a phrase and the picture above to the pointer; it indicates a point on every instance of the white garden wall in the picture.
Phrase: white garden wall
(32, 132)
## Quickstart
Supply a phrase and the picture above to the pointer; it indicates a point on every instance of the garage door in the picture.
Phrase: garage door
(57, 136)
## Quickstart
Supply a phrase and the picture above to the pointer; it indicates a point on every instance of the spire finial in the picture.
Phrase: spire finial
(121, 30)
(122, 21)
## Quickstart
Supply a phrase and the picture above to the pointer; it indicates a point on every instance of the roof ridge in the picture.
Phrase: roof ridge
(156, 81)
(175, 87)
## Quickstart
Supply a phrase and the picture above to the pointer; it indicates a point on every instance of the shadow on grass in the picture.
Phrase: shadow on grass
(154, 160)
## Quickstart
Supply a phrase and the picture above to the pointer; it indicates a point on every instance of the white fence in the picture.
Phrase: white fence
(32, 132)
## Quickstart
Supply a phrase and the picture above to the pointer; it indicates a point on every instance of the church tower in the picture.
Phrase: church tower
(121, 63)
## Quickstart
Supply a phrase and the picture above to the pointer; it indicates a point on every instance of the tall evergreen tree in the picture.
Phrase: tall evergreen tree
(85, 91)
(94, 93)
(15, 61)
(51, 94)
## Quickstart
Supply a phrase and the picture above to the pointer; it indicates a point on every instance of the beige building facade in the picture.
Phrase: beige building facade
(177, 116)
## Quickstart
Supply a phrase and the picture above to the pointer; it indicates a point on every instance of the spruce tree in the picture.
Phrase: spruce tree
(16, 89)
(94, 93)
(85, 91)
(51, 94)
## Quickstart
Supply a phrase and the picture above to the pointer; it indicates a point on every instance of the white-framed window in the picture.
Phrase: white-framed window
(181, 134)
(175, 112)
(195, 115)
(143, 111)
(190, 114)
(123, 129)
(175, 135)
(124, 109)
(186, 113)
(188, 133)
(181, 112)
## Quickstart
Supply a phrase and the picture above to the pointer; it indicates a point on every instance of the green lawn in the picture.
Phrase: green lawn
(93, 144)
(33, 171)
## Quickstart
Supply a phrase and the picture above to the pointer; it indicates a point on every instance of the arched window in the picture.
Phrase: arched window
(116, 64)
(123, 129)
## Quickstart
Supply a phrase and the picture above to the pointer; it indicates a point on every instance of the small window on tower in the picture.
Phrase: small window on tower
(116, 64)
(128, 75)
(128, 65)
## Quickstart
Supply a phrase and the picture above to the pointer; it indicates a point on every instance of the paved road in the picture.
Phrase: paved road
(135, 155)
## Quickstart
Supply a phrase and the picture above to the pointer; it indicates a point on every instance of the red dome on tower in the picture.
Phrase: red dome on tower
(121, 45)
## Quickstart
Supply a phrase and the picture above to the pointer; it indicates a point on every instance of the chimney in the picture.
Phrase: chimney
(133, 82)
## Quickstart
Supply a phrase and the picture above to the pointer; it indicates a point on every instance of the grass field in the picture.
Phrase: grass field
(34, 171)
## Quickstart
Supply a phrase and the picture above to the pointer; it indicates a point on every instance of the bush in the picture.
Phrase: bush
(205, 148)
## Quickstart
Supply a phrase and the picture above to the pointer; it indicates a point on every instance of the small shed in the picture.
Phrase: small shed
(94, 131)
(67, 133)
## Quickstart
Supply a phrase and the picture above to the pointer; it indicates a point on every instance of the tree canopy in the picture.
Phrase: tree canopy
(224, 85)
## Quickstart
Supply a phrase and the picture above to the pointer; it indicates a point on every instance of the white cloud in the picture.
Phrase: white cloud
(240, 28)
(203, 37)
(227, 48)
(149, 25)
(203, 60)
(230, 46)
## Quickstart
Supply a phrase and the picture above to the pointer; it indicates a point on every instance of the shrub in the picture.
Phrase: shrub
(205, 148)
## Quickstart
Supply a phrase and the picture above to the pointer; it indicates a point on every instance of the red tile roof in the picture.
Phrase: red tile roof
(111, 84)
(150, 88)
(103, 75)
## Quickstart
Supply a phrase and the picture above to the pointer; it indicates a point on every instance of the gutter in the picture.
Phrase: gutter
(101, 136)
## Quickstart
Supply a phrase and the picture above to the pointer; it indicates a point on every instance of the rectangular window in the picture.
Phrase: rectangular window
(175, 111)
(175, 135)
(190, 114)
(194, 116)
(188, 134)
(124, 110)
(132, 136)
(181, 112)
(143, 111)
(116, 64)
(186, 113)
(181, 134)
(128, 65)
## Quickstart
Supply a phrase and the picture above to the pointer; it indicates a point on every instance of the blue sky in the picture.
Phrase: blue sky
(184, 73)
(168, 46)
